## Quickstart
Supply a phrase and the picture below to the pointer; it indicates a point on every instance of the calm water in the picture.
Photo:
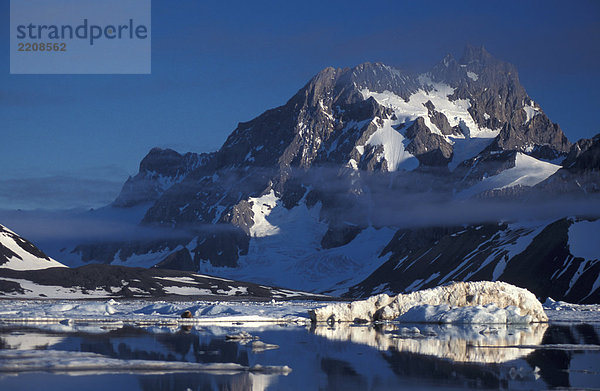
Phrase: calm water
(341, 358)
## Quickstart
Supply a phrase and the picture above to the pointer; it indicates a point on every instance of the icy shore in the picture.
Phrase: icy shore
(460, 302)
(467, 303)
(146, 313)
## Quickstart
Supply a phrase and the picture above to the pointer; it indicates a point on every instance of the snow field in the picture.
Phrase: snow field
(23, 259)
(528, 171)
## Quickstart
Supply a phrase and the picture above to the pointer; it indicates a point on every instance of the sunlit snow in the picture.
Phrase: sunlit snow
(472, 75)
(473, 140)
(528, 171)
(23, 260)
(394, 150)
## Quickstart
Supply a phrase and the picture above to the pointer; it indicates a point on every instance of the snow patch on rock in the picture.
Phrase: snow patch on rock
(262, 207)
(394, 152)
(474, 139)
(530, 111)
(473, 76)
(528, 171)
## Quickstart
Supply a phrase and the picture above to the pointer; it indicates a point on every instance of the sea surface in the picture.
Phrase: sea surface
(94, 356)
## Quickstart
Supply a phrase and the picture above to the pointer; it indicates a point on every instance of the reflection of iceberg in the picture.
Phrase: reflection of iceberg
(513, 305)
(464, 343)
(242, 381)
(29, 340)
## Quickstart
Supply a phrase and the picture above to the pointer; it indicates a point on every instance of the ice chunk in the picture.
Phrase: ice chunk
(259, 346)
(458, 294)
(489, 314)
(241, 336)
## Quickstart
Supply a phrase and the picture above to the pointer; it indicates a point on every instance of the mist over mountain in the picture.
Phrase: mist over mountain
(373, 179)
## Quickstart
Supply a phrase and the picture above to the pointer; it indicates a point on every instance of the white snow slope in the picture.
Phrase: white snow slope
(285, 251)
(528, 171)
(19, 258)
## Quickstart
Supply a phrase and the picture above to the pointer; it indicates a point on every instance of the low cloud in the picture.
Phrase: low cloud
(57, 192)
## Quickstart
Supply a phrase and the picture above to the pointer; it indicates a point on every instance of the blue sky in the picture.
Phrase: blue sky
(216, 64)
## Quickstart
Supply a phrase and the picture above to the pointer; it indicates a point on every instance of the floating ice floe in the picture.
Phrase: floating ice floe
(459, 302)
(259, 346)
(159, 313)
(15, 361)
(561, 311)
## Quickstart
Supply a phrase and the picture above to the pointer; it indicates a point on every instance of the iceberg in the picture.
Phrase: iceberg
(458, 302)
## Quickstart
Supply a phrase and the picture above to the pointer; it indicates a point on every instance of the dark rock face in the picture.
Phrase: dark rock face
(167, 162)
(492, 85)
(498, 101)
(440, 120)
(380, 77)
(483, 253)
(538, 132)
(179, 260)
(577, 149)
(588, 159)
(222, 248)
(431, 149)
(158, 171)
(580, 175)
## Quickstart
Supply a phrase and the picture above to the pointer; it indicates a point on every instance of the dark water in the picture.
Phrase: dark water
(341, 358)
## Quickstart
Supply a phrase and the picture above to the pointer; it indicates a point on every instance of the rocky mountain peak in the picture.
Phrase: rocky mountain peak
(165, 162)
(159, 170)
(344, 161)
(378, 77)
(460, 123)
(473, 54)
(579, 148)
(589, 157)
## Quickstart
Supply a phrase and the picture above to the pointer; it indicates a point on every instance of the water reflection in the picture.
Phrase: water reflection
(477, 356)
(345, 357)
(463, 343)
(192, 381)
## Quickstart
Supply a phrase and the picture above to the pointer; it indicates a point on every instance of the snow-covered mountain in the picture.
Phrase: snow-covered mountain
(19, 254)
(109, 281)
(318, 193)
